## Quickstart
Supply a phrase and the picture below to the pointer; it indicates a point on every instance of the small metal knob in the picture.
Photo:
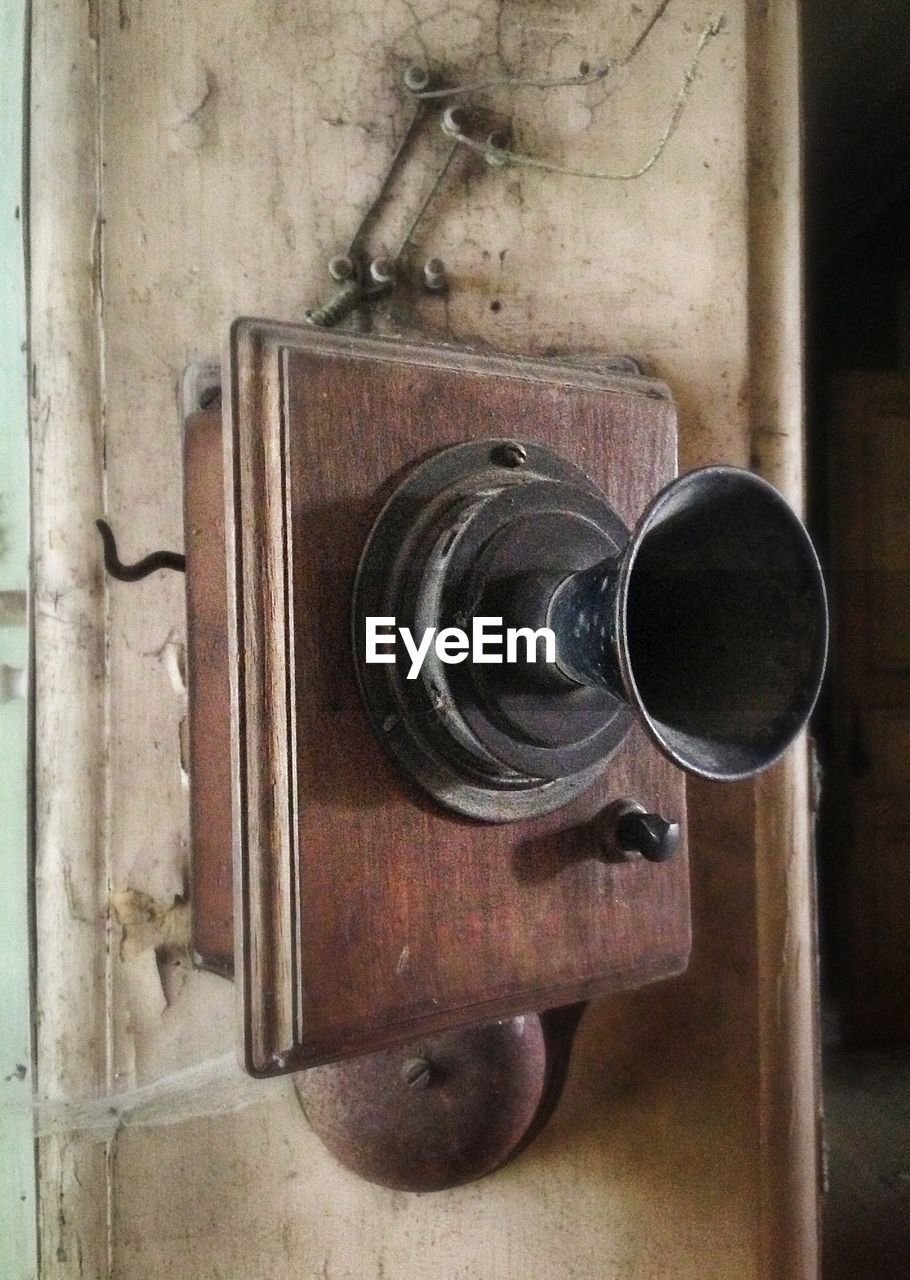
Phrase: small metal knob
(626, 832)
(649, 834)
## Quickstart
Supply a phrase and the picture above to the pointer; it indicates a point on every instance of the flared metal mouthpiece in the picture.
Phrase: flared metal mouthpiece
(712, 623)
(708, 622)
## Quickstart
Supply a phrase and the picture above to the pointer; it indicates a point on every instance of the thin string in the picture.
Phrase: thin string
(500, 156)
(216, 1087)
(595, 76)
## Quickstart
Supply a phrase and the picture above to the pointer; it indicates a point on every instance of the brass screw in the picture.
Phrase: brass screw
(345, 300)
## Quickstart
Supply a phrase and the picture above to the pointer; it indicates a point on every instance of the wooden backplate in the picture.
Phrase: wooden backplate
(365, 915)
(209, 684)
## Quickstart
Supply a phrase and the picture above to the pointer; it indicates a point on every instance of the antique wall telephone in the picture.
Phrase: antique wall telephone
(420, 875)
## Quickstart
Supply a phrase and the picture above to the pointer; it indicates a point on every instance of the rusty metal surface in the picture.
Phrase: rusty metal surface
(444, 1110)
(209, 764)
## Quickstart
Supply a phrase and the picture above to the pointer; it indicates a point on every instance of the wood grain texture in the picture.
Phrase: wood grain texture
(209, 693)
(786, 959)
(71, 864)
(367, 914)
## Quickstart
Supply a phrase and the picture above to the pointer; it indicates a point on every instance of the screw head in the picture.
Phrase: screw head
(510, 455)
(417, 1073)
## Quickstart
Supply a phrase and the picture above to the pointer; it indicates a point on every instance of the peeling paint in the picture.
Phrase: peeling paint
(194, 97)
(146, 923)
(241, 144)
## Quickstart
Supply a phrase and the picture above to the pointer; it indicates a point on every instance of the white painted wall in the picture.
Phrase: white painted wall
(194, 163)
(18, 1237)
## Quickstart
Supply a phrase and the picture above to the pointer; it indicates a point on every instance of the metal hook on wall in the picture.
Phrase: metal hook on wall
(142, 568)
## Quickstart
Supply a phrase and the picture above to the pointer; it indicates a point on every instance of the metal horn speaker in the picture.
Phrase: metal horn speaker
(708, 622)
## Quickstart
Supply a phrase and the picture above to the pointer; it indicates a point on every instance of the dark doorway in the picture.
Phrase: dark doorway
(856, 66)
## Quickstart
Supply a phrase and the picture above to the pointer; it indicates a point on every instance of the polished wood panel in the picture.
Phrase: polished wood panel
(367, 915)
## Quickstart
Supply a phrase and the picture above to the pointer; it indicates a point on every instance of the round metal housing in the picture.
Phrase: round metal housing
(710, 623)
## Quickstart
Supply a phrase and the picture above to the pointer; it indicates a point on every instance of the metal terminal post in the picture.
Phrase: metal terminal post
(416, 78)
(497, 154)
(352, 292)
(435, 279)
(454, 122)
(341, 267)
(382, 271)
